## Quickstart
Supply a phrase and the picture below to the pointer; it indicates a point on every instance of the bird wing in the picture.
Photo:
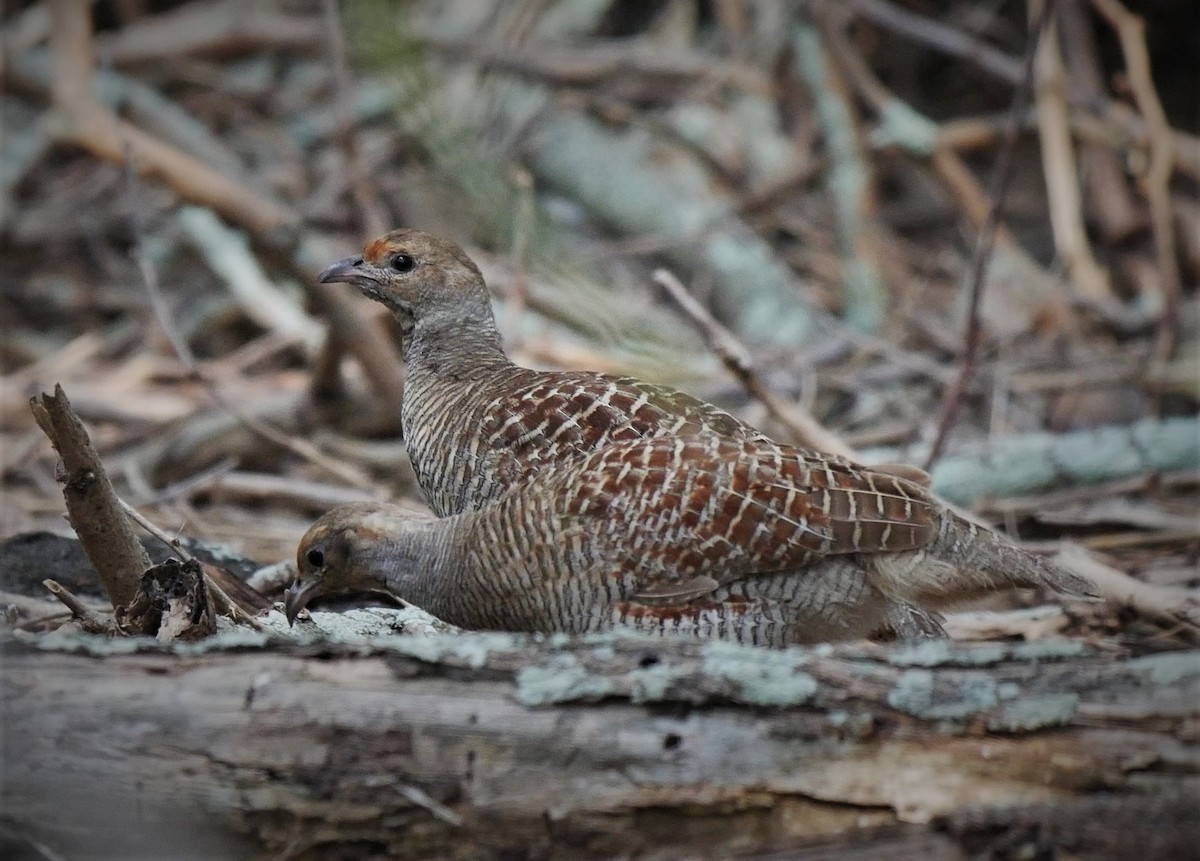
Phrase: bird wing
(542, 419)
(682, 515)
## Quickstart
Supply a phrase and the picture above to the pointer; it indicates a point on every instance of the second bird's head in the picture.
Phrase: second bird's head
(334, 556)
(414, 274)
(360, 547)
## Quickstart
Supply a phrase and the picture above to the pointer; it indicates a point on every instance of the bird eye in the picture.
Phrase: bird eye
(315, 558)
(403, 263)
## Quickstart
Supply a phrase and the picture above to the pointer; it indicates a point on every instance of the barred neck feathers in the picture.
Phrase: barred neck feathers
(459, 338)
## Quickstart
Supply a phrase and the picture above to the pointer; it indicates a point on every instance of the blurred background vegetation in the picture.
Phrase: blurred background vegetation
(173, 174)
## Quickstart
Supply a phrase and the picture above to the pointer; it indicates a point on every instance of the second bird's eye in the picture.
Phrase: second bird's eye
(403, 263)
(315, 558)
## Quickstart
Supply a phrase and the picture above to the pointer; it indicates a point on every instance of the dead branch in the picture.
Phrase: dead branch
(1016, 284)
(524, 225)
(224, 27)
(92, 504)
(1122, 122)
(1110, 203)
(85, 122)
(850, 179)
(605, 64)
(235, 262)
(222, 602)
(1175, 608)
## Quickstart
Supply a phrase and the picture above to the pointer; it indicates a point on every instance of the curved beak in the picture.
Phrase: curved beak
(297, 598)
(352, 270)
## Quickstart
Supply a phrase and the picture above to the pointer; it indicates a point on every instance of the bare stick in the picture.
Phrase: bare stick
(850, 183)
(92, 504)
(1110, 201)
(805, 429)
(1060, 168)
(952, 400)
(89, 619)
(91, 125)
(941, 36)
(1173, 607)
(1131, 31)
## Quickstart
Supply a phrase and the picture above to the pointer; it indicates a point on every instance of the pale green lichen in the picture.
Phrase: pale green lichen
(934, 653)
(562, 679)
(976, 694)
(98, 646)
(914, 695)
(751, 676)
(765, 678)
(472, 650)
(913, 692)
(1037, 712)
(650, 684)
(227, 640)
(1168, 668)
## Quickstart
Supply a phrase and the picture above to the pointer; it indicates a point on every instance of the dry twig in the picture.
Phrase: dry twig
(158, 304)
(524, 222)
(222, 602)
(805, 429)
(983, 244)
(82, 120)
(1177, 609)
(1155, 181)
(1120, 123)
(89, 619)
(1109, 200)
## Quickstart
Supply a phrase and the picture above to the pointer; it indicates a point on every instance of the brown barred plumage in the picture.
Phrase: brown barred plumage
(478, 427)
(700, 535)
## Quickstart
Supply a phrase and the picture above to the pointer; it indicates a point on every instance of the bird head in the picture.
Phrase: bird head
(413, 273)
(334, 557)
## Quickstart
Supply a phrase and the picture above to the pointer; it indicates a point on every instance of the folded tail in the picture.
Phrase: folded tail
(966, 561)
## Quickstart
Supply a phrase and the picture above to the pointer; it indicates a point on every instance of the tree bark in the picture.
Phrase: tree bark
(504, 746)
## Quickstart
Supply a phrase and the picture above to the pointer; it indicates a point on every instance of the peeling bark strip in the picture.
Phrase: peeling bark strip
(92, 505)
(431, 747)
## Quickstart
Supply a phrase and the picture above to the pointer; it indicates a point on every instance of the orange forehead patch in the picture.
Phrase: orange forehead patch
(377, 248)
(428, 249)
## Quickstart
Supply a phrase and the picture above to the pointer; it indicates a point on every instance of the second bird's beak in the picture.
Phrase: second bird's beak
(297, 598)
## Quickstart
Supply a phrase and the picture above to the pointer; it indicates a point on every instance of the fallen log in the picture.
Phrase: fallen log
(493, 745)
